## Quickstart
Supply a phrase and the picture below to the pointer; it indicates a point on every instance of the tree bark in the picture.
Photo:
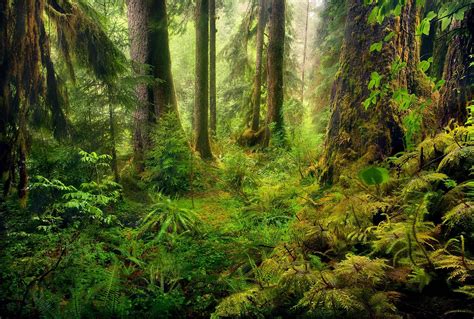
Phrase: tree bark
(459, 87)
(212, 67)
(21, 23)
(201, 102)
(149, 45)
(137, 12)
(113, 148)
(357, 136)
(275, 55)
(257, 82)
(304, 52)
(164, 96)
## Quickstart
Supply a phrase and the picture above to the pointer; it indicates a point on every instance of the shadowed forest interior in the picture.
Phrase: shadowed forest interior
(237, 159)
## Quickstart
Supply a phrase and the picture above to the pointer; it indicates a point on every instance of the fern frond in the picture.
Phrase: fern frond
(461, 216)
(244, 304)
(422, 184)
(361, 271)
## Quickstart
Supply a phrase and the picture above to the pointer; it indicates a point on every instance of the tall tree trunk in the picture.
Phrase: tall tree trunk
(276, 48)
(459, 76)
(113, 148)
(212, 67)
(354, 133)
(304, 52)
(149, 44)
(21, 25)
(139, 48)
(201, 102)
(257, 82)
(164, 96)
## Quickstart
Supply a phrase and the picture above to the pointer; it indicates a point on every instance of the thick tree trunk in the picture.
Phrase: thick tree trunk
(354, 133)
(459, 76)
(139, 48)
(275, 55)
(164, 96)
(257, 82)
(212, 67)
(21, 23)
(149, 45)
(201, 93)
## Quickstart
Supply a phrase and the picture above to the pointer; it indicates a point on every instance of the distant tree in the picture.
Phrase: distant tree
(201, 101)
(257, 83)
(212, 67)
(275, 55)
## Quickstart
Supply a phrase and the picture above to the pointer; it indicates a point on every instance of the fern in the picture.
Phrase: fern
(460, 267)
(166, 217)
(350, 288)
(249, 303)
(423, 183)
(109, 299)
(460, 217)
(360, 271)
(467, 290)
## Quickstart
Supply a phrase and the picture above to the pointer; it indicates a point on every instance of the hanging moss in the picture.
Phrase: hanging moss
(92, 47)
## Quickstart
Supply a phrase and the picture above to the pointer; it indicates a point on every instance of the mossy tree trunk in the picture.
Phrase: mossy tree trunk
(212, 67)
(257, 82)
(201, 89)
(21, 78)
(164, 96)
(275, 67)
(149, 45)
(459, 76)
(137, 12)
(366, 136)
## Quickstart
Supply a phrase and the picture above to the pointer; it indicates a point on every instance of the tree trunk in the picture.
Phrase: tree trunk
(21, 77)
(304, 52)
(276, 48)
(212, 67)
(139, 48)
(201, 102)
(164, 96)
(257, 83)
(458, 89)
(113, 148)
(354, 133)
(149, 45)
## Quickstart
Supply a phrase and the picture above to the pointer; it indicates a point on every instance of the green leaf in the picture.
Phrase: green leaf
(375, 79)
(389, 36)
(439, 84)
(398, 10)
(424, 65)
(373, 175)
(426, 27)
(420, 3)
(377, 46)
(445, 23)
(373, 15)
(431, 15)
(459, 14)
